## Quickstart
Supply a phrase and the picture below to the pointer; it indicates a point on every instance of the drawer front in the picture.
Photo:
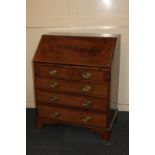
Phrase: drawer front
(72, 116)
(52, 71)
(89, 74)
(90, 89)
(71, 100)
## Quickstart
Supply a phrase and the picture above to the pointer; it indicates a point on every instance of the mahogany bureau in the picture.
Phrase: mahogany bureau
(76, 80)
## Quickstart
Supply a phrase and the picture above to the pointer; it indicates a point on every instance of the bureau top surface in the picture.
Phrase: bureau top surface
(76, 49)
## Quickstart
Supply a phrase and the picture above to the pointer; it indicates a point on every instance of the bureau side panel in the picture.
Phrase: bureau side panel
(35, 73)
(115, 76)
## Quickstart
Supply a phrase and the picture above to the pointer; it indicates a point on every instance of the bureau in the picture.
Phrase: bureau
(76, 80)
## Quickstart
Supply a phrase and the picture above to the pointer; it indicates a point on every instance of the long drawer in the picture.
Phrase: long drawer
(72, 100)
(91, 89)
(72, 116)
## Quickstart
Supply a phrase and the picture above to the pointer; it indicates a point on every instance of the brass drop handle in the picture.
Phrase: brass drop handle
(86, 88)
(52, 72)
(53, 84)
(86, 118)
(55, 114)
(87, 103)
(54, 99)
(86, 75)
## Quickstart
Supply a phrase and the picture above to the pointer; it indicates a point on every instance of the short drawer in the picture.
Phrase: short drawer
(72, 100)
(89, 74)
(73, 116)
(51, 71)
(90, 89)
